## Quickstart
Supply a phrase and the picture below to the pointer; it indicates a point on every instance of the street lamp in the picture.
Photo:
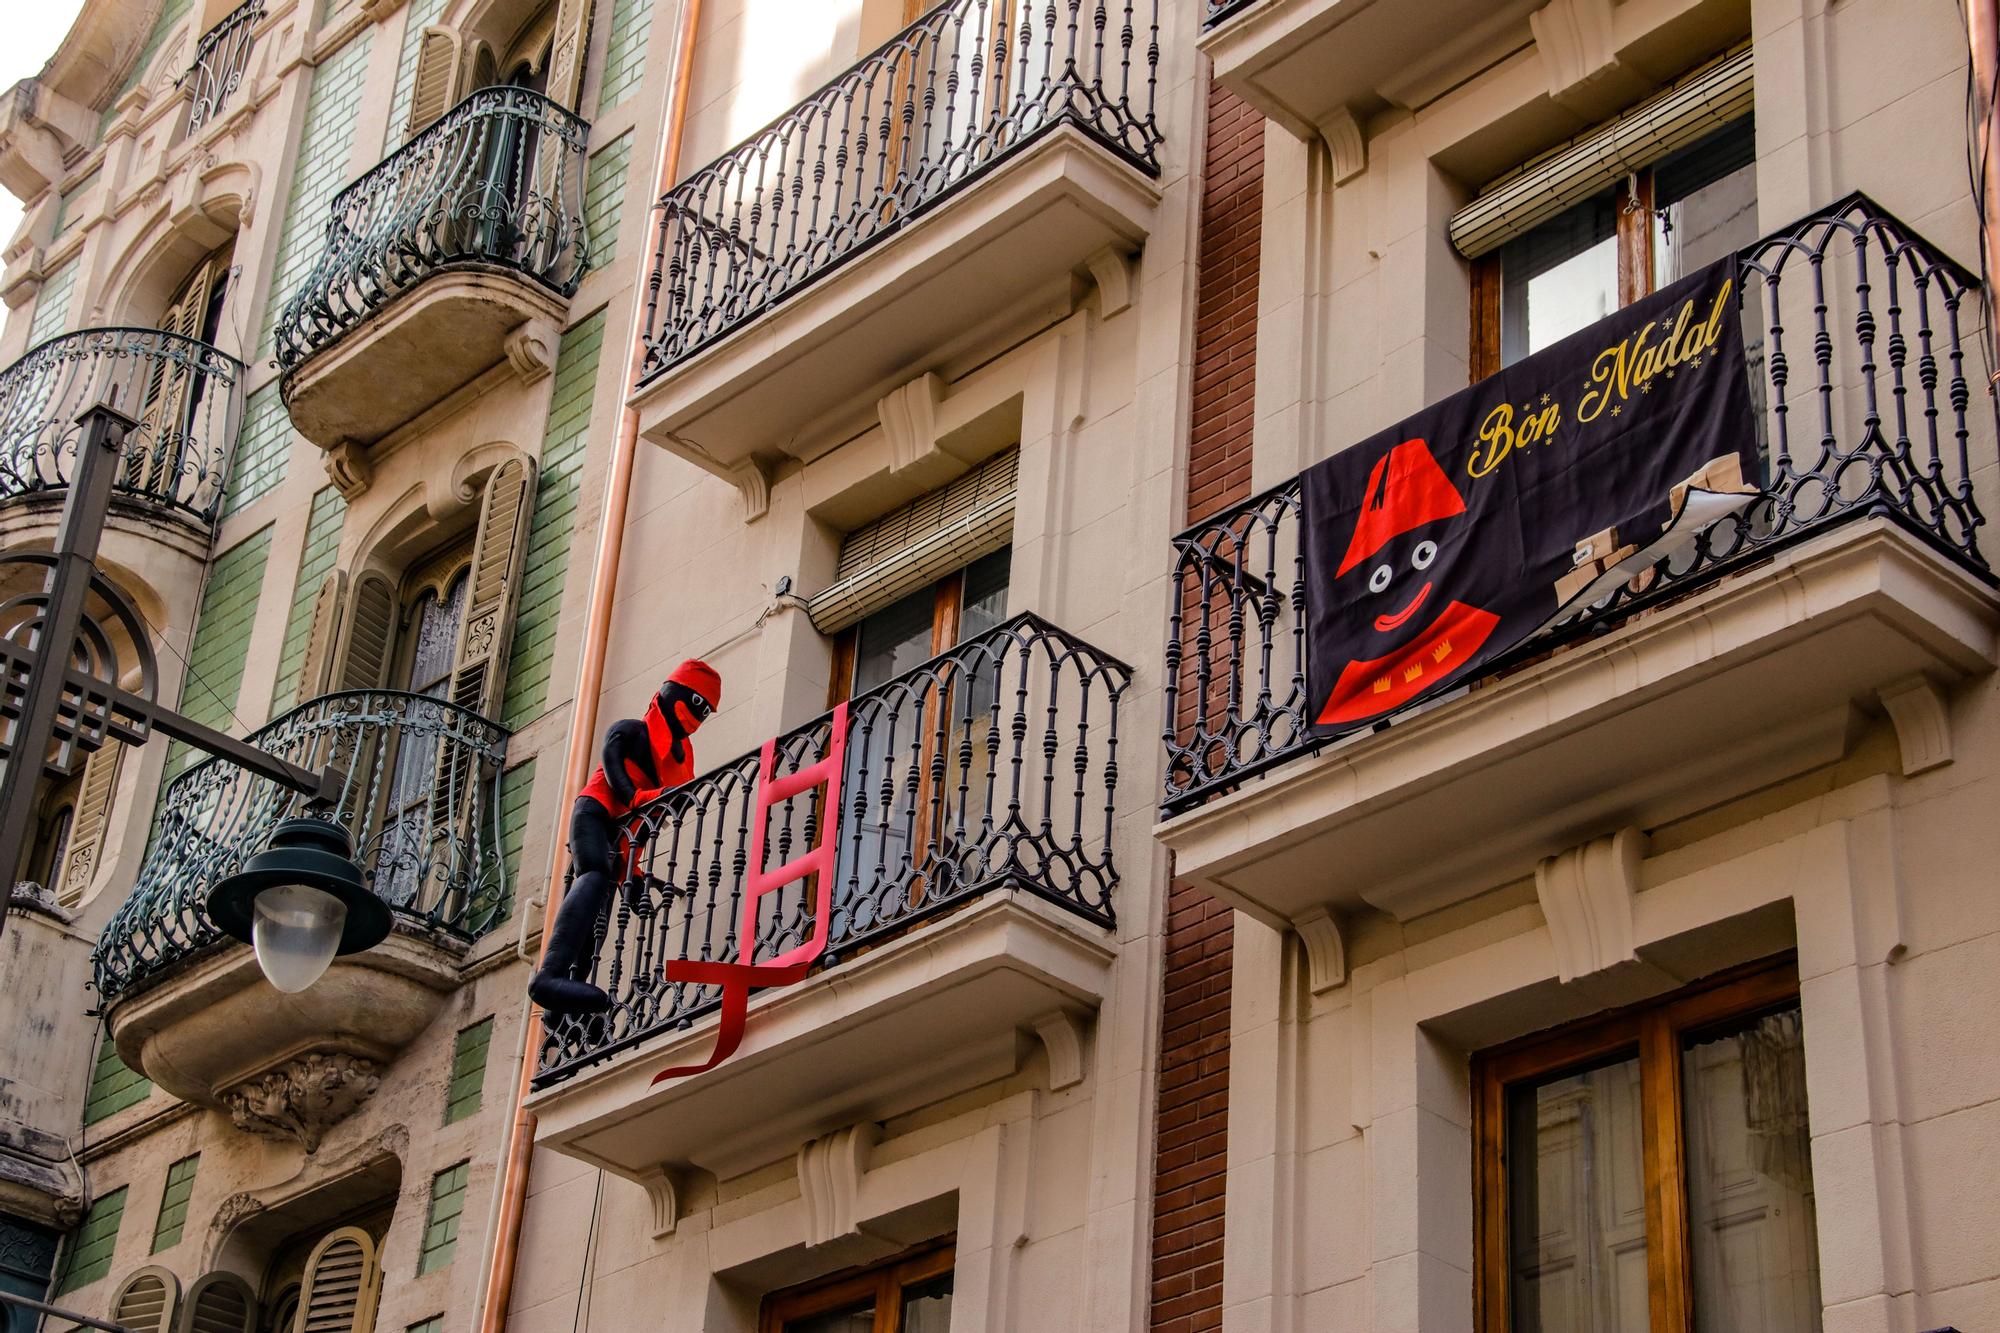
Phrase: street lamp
(299, 903)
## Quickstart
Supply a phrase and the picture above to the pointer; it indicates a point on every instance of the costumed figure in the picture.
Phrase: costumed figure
(642, 759)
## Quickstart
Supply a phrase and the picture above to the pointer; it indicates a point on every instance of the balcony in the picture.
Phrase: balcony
(188, 1007)
(1853, 587)
(221, 58)
(457, 253)
(187, 397)
(972, 905)
(949, 184)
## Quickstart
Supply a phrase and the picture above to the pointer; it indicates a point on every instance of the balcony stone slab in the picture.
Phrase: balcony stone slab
(433, 340)
(1754, 680)
(1008, 248)
(948, 1007)
(216, 1034)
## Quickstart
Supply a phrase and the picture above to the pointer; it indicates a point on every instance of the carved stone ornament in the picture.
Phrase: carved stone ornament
(303, 1098)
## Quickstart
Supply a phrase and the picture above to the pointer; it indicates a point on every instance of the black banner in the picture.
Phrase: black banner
(1438, 544)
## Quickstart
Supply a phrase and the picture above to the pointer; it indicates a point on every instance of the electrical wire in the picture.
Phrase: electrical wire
(589, 1255)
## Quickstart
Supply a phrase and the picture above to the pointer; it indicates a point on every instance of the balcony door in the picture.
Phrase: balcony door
(178, 392)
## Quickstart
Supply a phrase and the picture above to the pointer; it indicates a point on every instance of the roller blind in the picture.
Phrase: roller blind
(920, 543)
(1522, 200)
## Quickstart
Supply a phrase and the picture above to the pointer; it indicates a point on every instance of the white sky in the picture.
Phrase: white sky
(34, 29)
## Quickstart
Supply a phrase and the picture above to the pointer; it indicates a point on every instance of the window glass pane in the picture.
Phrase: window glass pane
(1752, 1236)
(985, 597)
(1560, 277)
(927, 1306)
(1576, 1206)
(894, 639)
(856, 1319)
(1705, 202)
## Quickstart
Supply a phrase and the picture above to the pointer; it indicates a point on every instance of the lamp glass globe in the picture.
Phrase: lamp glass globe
(295, 930)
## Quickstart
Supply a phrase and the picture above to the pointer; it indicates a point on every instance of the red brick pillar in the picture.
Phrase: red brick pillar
(1188, 1171)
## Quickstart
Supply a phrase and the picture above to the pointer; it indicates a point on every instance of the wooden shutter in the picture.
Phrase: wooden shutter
(219, 1303)
(566, 52)
(434, 88)
(145, 1301)
(93, 816)
(368, 637)
(501, 544)
(338, 1295)
(316, 671)
(168, 388)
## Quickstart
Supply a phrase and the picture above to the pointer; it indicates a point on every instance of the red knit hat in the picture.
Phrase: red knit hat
(1406, 490)
(701, 678)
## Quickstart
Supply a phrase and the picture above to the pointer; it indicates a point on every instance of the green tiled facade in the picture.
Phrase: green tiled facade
(68, 212)
(221, 642)
(324, 147)
(517, 789)
(422, 13)
(114, 1085)
(263, 447)
(174, 1203)
(52, 304)
(468, 1071)
(540, 608)
(603, 191)
(322, 546)
(625, 54)
(441, 1228)
(95, 1241)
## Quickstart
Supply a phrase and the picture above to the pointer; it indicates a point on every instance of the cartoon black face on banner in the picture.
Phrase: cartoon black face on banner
(1399, 586)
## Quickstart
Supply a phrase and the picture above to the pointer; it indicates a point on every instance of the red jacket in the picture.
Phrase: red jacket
(672, 772)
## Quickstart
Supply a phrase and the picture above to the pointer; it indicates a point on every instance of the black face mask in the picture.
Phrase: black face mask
(685, 711)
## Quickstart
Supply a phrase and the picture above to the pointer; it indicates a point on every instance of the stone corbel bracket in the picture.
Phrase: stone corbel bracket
(1061, 1034)
(1116, 274)
(1587, 896)
(303, 1098)
(908, 414)
(1921, 715)
(1326, 950)
(1346, 144)
(531, 349)
(753, 485)
(830, 1171)
(347, 466)
(663, 1192)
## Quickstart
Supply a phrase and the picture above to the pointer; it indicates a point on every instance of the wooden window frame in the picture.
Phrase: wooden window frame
(1655, 1032)
(885, 1282)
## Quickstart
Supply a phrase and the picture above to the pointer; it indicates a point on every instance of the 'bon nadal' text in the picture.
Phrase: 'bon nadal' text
(1617, 372)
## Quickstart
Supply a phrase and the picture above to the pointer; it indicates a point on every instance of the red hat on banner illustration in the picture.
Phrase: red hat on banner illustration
(1406, 490)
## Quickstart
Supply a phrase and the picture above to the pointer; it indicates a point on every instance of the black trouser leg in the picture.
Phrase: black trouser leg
(560, 987)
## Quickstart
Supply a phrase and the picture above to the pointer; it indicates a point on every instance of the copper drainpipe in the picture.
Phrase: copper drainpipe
(589, 685)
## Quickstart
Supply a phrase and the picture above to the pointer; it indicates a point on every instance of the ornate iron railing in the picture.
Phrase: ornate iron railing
(220, 59)
(186, 396)
(1876, 425)
(497, 182)
(421, 803)
(961, 89)
(992, 766)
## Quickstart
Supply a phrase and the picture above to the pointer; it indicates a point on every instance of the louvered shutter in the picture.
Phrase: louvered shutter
(219, 1303)
(435, 86)
(93, 816)
(338, 1295)
(369, 634)
(478, 671)
(920, 543)
(316, 671)
(162, 415)
(566, 52)
(145, 1301)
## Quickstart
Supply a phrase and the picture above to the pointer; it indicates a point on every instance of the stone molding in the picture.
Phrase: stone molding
(1587, 894)
(830, 1170)
(304, 1097)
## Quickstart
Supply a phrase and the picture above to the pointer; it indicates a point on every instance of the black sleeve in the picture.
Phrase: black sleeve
(627, 740)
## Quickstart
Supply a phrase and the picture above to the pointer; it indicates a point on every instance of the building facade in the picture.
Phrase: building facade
(943, 375)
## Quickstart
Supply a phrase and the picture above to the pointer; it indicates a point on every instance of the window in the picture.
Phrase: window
(1649, 1171)
(174, 1203)
(441, 1228)
(1656, 225)
(907, 1295)
(114, 1085)
(468, 1071)
(27, 1256)
(93, 1243)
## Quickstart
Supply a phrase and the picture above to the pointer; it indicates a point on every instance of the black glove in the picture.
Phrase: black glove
(627, 742)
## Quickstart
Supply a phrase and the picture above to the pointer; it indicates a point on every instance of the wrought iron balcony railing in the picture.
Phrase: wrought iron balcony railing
(992, 766)
(963, 88)
(220, 59)
(187, 397)
(1877, 425)
(421, 803)
(496, 183)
